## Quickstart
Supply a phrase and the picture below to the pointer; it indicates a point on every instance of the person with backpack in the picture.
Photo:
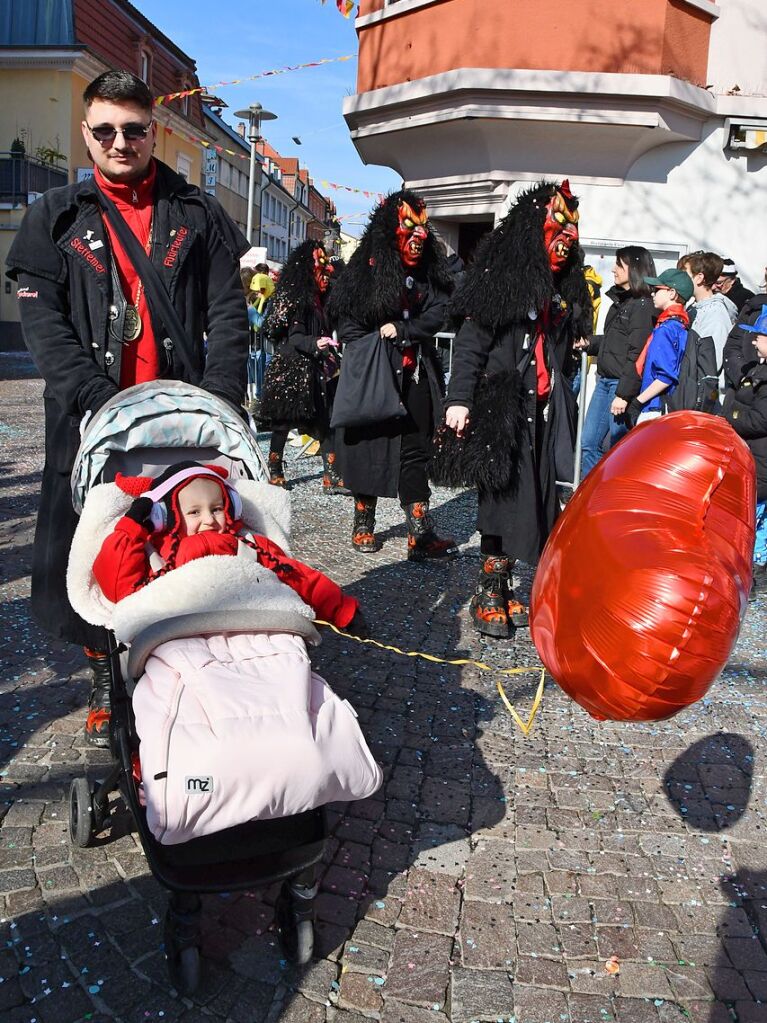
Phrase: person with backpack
(745, 408)
(661, 358)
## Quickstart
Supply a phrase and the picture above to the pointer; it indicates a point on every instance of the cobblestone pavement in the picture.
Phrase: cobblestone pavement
(492, 878)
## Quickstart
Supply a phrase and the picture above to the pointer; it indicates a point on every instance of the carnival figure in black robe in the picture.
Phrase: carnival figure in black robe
(396, 288)
(522, 305)
(300, 381)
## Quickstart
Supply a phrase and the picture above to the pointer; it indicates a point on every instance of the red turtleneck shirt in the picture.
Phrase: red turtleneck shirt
(135, 202)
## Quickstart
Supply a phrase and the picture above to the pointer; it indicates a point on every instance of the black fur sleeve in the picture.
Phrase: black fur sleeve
(470, 351)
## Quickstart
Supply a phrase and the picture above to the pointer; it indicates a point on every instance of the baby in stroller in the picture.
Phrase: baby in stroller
(237, 742)
(190, 512)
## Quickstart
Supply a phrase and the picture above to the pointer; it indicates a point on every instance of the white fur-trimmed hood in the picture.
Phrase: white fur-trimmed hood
(208, 584)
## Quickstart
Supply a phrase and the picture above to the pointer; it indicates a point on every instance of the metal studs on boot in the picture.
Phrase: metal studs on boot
(332, 483)
(423, 543)
(277, 470)
(100, 702)
(488, 606)
(363, 538)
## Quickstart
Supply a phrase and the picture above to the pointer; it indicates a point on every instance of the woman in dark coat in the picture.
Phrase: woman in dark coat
(300, 381)
(396, 286)
(628, 325)
(523, 304)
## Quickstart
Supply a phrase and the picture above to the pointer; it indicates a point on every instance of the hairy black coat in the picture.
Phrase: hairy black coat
(376, 289)
(498, 309)
(299, 317)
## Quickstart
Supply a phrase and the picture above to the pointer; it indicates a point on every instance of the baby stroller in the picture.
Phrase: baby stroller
(142, 431)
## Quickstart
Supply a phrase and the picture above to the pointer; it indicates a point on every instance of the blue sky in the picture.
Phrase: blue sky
(237, 38)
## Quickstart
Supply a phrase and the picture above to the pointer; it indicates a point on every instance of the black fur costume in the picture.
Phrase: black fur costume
(512, 451)
(370, 290)
(296, 391)
(375, 289)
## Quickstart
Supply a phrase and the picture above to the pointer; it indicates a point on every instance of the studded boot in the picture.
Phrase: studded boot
(332, 483)
(488, 607)
(100, 703)
(423, 543)
(363, 538)
(277, 470)
(516, 611)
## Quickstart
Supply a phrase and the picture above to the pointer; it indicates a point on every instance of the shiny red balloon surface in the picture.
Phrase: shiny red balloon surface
(641, 588)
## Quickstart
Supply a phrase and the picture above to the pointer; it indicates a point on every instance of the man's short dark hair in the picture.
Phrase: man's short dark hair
(119, 87)
(262, 268)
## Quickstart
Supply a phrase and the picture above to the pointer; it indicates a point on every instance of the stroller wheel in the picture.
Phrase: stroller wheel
(295, 928)
(80, 813)
(184, 970)
(182, 942)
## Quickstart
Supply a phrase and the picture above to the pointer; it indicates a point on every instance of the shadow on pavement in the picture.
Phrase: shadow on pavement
(710, 787)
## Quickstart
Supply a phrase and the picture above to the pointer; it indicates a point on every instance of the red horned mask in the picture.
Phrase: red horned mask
(412, 232)
(322, 270)
(560, 228)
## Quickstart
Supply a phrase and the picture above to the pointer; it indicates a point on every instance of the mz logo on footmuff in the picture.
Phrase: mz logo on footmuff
(195, 786)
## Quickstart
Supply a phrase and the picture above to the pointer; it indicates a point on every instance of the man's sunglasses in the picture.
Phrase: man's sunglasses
(106, 134)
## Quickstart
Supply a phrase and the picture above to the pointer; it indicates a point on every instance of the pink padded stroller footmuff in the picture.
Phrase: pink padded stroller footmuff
(238, 728)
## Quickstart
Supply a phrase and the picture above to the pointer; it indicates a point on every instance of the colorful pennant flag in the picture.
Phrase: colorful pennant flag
(169, 97)
(344, 6)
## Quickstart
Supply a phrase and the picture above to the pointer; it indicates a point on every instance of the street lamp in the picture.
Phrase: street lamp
(254, 115)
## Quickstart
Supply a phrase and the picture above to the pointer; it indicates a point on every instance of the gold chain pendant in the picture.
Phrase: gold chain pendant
(131, 324)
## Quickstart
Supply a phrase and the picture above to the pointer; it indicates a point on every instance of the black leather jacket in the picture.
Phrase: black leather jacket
(61, 260)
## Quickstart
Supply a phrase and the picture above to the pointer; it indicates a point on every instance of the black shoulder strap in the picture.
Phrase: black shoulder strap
(154, 289)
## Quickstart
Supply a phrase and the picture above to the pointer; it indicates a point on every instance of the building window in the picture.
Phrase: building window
(184, 166)
(145, 66)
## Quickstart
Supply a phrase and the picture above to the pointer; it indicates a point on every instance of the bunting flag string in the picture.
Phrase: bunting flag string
(348, 188)
(244, 156)
(169, 97)
(345, 7)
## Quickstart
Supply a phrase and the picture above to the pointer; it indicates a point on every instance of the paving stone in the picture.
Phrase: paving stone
(431, 903)
(488, 936)
(419, 968)
(540, 1005)
(480, 995)
(399, 1012)
(441, 848)
(360, 958)
(362, 991)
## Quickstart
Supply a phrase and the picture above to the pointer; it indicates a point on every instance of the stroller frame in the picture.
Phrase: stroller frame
(288, 850)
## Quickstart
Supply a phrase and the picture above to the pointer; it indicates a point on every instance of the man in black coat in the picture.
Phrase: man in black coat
(87, 320)
(395, 289)
(523, 304)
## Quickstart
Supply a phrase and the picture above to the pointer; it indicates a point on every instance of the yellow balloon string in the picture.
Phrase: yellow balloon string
(524, 726)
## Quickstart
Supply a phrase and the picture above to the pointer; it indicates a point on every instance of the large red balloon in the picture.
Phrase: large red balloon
(641, 588)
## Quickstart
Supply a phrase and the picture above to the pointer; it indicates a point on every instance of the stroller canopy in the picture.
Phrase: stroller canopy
(146, 428)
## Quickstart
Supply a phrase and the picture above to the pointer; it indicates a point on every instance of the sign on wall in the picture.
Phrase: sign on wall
(211, 169)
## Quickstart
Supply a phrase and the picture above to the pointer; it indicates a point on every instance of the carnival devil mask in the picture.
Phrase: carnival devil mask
(322, 270)
(412, 232)
(560, 228)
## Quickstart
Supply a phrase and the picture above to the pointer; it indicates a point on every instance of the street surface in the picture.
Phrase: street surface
(586, 874)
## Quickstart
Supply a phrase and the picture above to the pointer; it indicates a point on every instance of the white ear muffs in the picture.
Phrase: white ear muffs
(158, 516)
(236, 500)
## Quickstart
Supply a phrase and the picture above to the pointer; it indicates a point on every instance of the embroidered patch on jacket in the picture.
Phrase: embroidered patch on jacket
(175, 247)
(26, 293)
(83, 250)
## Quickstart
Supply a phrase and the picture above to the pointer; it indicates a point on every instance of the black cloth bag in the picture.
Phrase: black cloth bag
(367, 391)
